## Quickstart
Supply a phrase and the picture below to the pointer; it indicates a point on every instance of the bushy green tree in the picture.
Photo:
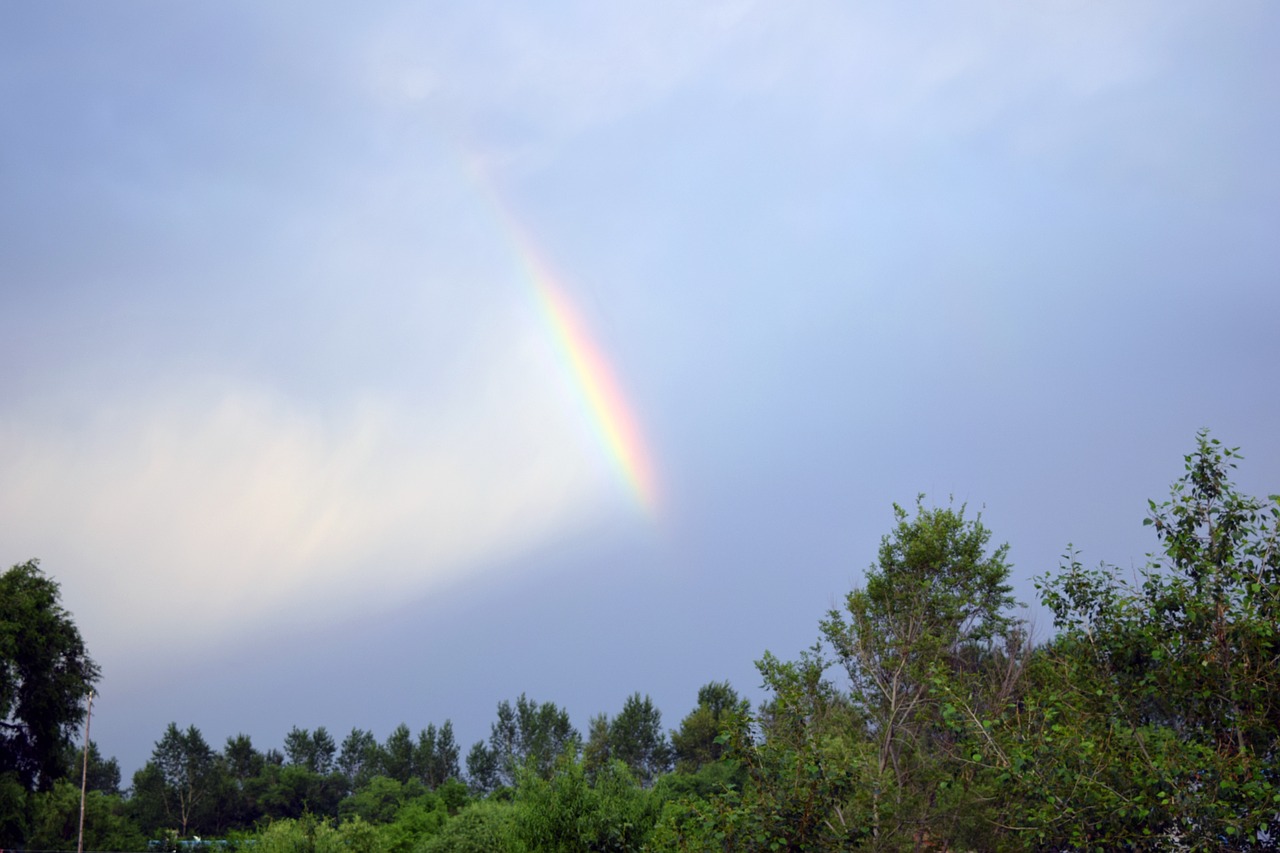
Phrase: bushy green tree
(313, 750)
(55, 821)
(397, 754)
(435, 756)
(569, 813)
(485, 826)
(699, 740)
(46, 675)
(179, 782)
(1175, 679)
(525, 735)
(360, 759)
(934, 617)
(637, 739)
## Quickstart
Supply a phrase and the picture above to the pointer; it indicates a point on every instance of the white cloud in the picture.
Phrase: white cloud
(190, 517)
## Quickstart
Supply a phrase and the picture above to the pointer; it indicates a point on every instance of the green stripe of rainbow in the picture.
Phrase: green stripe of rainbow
(595, 381)
(598, 390)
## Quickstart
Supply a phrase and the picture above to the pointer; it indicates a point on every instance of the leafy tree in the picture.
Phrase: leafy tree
(435, 758)
(397, 754)
(242, 768)
(877, 765)
(183, 773)
(484, 773)
(1176, 678)
(527, 734)
(46, 675)
(597, 751)
(935, 613)
(380, 800)
(56, 821)
(103, 774)
(314, 751)
(360, 759)
(637, 739)
(698, 741)
(566, 812)
(485, 826)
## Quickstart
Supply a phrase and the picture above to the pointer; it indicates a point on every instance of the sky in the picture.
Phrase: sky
(367, 364)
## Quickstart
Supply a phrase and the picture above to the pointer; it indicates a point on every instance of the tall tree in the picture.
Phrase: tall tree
(699, 740)
(397, 754)
(185, 769)
(936, 608)
(436, 755)
(45, 677)
(527, 735)
(312, 750)
(360, 759)
(1177, 675)
(636, 738)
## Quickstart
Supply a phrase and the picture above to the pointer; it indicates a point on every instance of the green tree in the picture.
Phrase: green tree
(56, 821)
(103, 773)
(699, 740)
(435, 757)
(314, 751)
(183, 773)
(597, 751)
(637, 739)
(360, 759)
(397, 754)
(46, 675)
(1176, 678)
(527, 734)
(484, 773)
(934, 615)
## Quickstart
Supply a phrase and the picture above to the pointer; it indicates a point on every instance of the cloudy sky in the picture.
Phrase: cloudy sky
(286, 408)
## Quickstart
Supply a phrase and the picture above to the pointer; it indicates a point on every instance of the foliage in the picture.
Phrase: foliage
(698, 741)
(634, 737)
(1177, 677)
(526, 735)
(314, 751)
(570, 813)
(486, 826)
(46, 675)
(55, 821)
(360, 759)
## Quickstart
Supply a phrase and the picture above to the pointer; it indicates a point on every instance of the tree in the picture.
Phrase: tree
(597, 751)
(45, 677)
(934, 615)
(636, 738)
(435, 758)
(484, 774)
(1178, 675)
(879, 764)
(314, 751)
(360, 759)
(56, 821)
(530, 735)
(182, 766)
(698, 741)
(397, 754)
(103, 774)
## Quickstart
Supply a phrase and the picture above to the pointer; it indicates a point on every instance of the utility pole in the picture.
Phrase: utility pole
(84, 771)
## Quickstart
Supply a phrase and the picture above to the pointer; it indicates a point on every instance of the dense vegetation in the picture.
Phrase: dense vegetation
(922, 718)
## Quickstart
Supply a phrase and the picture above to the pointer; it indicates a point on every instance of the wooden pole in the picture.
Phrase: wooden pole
(84, 772)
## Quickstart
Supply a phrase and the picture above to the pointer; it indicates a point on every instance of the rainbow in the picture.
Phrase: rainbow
(597, 387)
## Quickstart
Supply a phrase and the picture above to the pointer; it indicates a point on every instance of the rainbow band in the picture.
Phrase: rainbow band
(601, 394)
(595, 381)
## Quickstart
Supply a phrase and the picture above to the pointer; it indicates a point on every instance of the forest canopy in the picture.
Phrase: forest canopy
(922, 717)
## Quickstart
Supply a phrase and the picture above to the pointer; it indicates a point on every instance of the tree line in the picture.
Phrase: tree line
(923, 717)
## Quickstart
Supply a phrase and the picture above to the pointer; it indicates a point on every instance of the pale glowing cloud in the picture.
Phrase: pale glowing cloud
(211, 511)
